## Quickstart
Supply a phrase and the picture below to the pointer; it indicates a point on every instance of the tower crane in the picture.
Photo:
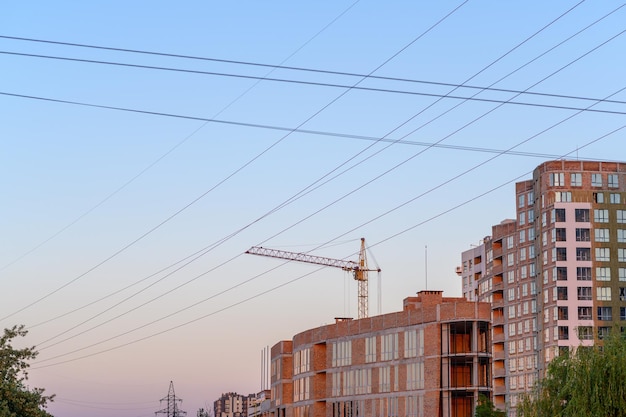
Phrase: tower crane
(359, 269)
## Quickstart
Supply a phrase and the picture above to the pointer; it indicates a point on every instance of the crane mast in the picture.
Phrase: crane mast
(358, 269)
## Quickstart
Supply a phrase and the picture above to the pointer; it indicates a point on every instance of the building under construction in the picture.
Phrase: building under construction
(432, 358)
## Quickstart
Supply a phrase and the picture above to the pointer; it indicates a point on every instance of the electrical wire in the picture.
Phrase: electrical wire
(531, 87)
(186, 206)
(274, 144)
(176, 146)
(289, 68)
(326, 243)
(335, 85)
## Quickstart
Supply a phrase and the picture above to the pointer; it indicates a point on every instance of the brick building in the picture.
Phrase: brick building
(555, 276)
(433, 358)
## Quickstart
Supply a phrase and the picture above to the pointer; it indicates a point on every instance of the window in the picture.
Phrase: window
(520, 200)
(531, 198)
(596, 180)
(583, 254)
(561, 273)
(531, 252)
(584, 313)
(342, 353)
(614, 198)
(603, 332)
(622, 294)
(584, 293)
(601, 216)
(533, 270)
(544, 217)
(598, 197)
(531, 234)
(523, 271)
(621, 273)
(389, 347)
(601, 235)
(557, 179)
(560, 235)
(559, 215)
(582, 215)
(522, 236)
(585, 332)
(510, 259)
(621, 235)
(583, 273)
(522, 218)
(510, 275)
(561, 254)
(413, 343)
(622, 313)
(621, 255)
(563, 196)
(612, 180)
(621, 216)
(370, 349)
(576, 179)
(605, 313)
(583, 235)
(562, 313)
(531, 216)
(510, 242)
(511, 294)
(603, 293)
(603, 274)
(522, 254)
(603, 254)
(563, 333)
(561, 293)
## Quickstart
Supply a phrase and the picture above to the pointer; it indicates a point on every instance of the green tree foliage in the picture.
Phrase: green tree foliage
(486, 408)
(587, 383)
(16, 398)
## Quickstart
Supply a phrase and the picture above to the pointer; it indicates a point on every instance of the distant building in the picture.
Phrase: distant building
(555, 276)
(433, 358)
(232, 404)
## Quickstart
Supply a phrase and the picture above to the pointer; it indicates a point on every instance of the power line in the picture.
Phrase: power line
(335, 85)
(172, 149)
(274, 67)
(386, 173)
(260, 294)
(242, 167)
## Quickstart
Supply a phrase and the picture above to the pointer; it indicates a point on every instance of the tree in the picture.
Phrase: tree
(588, 382)
(486, 408)
(16, 398)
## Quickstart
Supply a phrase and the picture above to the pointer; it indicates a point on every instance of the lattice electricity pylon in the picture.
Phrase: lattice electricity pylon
(172, 404)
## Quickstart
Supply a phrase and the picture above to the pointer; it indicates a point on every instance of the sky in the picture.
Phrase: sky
(145, 146)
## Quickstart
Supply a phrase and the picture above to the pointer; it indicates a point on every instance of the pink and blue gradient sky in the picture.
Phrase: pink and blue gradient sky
(105, 212)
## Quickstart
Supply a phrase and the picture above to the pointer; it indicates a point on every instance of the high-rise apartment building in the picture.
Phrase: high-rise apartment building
(556, 275)
(433, 358)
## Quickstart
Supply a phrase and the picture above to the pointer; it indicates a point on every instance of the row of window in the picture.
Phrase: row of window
(376, 407)
(557, 179)
(583, 273)
(586, 312)
(342, 350)
(585, 332)
(359, 381)
(585, 293)
(584, 235)
(558, 215)
(584, 254)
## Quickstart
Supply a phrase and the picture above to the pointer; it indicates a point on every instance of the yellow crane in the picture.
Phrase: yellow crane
(359, 269)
